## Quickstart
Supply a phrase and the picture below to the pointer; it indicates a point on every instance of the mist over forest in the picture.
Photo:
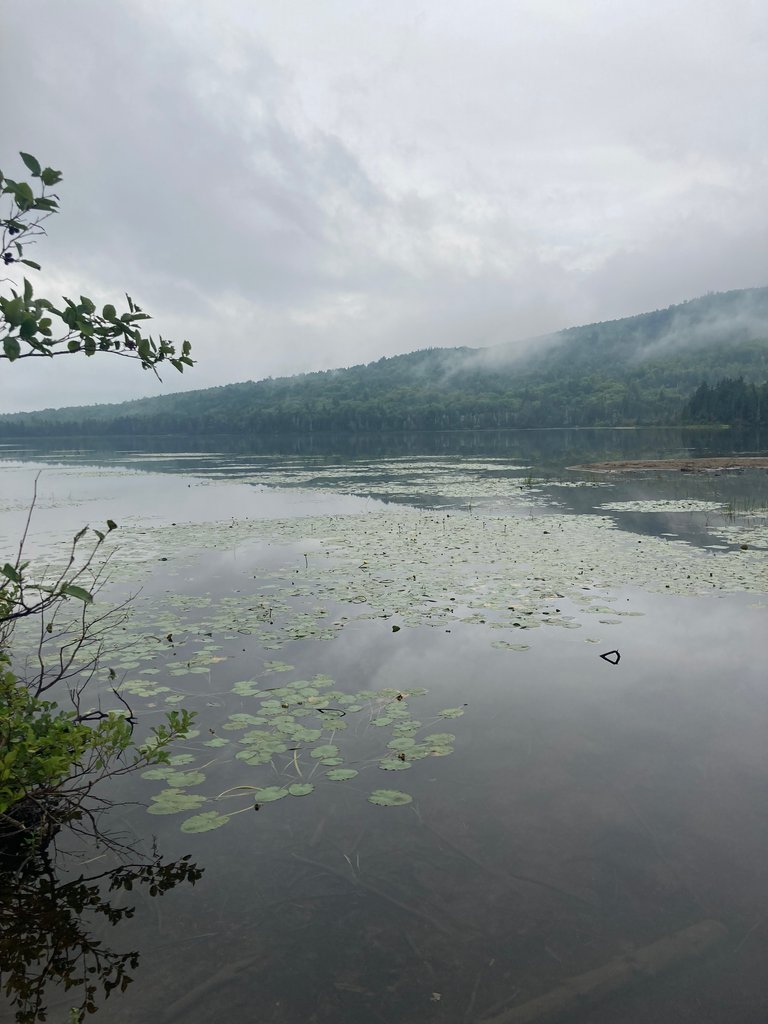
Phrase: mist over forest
(642, 370)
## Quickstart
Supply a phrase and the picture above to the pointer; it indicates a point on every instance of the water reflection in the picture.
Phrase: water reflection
(541, 448)
(588, 810)
(54, 936)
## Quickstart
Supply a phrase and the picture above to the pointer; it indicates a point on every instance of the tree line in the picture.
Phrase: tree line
(432, 390)
(731, 401)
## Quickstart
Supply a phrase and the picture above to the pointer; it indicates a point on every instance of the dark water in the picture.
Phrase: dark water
(588, 809)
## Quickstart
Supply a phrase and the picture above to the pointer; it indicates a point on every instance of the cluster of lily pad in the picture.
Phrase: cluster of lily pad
(297, 730)
(663, 505)
(410, 567)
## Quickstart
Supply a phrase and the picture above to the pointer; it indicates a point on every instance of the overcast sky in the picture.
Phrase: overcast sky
(295, 185)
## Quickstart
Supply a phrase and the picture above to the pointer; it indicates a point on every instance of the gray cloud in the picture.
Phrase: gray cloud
(296, 187)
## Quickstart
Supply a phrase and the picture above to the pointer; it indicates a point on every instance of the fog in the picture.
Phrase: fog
(300, 187)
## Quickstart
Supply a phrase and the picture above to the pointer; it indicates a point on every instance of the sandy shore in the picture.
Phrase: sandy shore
(677, 465)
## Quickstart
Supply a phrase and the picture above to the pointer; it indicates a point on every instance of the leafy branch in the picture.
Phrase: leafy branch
(36, 327)
(52, 758)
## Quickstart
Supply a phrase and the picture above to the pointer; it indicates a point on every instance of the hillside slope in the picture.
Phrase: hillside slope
(638, 370)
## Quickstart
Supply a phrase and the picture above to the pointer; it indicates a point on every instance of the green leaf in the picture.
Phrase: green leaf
(180, 780)
(71, 590)
(393, 764)
(23, 195)
(109, 312)
(111, 525)
(12, 348)
(327, 750)
(451, 712)
(31, 163)
(268, 794)
(301, 789)
(341, 774)
(28, 329)
(389, 798)
(50, 177)
(30, 263)
(172, 801)
(10, 573)
(204, 822)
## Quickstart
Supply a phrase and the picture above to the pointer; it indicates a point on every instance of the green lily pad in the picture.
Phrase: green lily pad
(394, 764)
(171, 801)
(204, 822)
(301, 789)
(451, 712)
(401, 743)
(326, 750)
(183, 779)
(389, 798)
(341, 774)
(247, 688)
(268, 794)
(302, 735)
(242, 721)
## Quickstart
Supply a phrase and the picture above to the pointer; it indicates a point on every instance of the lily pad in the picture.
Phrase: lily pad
(451, 712)
(205, 822)
(326, 750)
(341, 774)
(301, 789)
(389, 798)
(254, 756)
(401, 743)
(183, 779)
(171, 801)
(268, 794)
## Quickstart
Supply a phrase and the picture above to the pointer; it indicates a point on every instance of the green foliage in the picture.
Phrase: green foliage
(51, 757)
(729, 401)
(38, 743)
(31, 325)
(636, 371)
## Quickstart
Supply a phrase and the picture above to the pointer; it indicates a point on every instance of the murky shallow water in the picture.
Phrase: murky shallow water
(581, 809)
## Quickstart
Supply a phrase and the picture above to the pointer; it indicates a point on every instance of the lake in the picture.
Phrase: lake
(469, 722)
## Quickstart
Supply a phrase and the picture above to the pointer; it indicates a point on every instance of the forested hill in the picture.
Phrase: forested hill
(639, 370)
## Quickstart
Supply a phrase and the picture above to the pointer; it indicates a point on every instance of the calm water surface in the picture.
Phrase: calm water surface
(586, 809)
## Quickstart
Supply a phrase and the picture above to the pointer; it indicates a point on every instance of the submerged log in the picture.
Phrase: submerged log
(645, 962)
